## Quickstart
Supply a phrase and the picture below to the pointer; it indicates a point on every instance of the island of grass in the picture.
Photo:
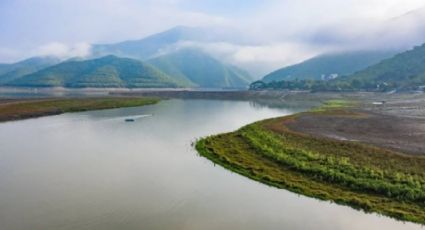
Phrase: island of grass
(23, 109)
(370, 176)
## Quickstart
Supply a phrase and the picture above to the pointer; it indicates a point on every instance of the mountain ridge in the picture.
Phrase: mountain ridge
(328, 64)
(201, 70)
(9, 72)
(108, 71)
(149, 46)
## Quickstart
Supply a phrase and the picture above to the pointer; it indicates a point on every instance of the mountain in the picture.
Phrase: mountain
(4, 68)
(148, 47)
(10, 72)
(405, 70)
(162, 42)
(108, 71)
(329, 65)
(198, 69)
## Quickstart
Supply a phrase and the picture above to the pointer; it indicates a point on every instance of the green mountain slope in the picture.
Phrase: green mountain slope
(109, 71)
(405, 70)
(326, 65)
(198, 69)
(4, 68)
(10, 72)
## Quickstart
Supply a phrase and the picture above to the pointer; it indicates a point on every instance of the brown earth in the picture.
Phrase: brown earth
(404, 134)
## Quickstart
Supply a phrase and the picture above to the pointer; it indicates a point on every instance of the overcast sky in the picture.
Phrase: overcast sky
(279, 32)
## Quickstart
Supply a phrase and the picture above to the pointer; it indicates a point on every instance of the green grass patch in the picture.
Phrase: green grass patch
(334, 104)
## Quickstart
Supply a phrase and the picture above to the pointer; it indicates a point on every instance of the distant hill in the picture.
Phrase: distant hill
(148, 47)
(4, 68)
(109, 71)
(10, 72)
(329, 64)
(405, 70)
(199, 69)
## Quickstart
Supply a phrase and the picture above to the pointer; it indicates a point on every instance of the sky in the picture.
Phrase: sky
(272, 33)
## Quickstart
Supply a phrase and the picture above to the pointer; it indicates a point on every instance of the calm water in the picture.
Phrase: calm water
(94, 171)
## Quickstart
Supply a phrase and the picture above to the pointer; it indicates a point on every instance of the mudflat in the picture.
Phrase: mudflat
(399, 133)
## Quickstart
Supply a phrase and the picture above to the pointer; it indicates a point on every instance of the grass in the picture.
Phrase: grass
(362, 176)
(37, 108)
(334, 104)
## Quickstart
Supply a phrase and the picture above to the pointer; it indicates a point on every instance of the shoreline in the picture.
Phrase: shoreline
(20, 109)
(365, 176)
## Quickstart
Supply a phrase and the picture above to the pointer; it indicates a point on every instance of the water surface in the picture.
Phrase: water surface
(92, 170)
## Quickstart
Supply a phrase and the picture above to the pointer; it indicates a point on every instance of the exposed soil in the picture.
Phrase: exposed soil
(398, 132)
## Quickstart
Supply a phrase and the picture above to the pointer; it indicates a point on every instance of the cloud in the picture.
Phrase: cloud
(262, 59)
(11, 54)
(63, 51)
(259, 59)
(260, 35)
(396, 33)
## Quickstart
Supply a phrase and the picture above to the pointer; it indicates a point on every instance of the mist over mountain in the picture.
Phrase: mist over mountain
(404, 70)
(328, 65)
(399, 32)
(259, 55)
(164, 42)
(260, 37)
(230, 54)
(149, 46)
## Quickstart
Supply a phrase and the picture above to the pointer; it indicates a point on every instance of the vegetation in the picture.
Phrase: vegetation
(331, 105)
(337, 85)
(16, 110)
(183, 68)
(10, 72)
(405, 71)
(198, 69)
(362, 176)
(109, 71)
(341, 64)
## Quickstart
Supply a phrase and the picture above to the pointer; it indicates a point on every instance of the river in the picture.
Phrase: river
(93, 170)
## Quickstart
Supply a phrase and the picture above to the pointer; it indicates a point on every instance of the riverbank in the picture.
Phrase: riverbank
(326, 154)
(18, 109)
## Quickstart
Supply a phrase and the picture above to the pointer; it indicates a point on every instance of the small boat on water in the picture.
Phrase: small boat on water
(135, 117)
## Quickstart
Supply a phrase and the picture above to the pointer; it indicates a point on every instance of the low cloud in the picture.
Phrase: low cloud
(259, 59)
(63, 51)
(10, 54)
